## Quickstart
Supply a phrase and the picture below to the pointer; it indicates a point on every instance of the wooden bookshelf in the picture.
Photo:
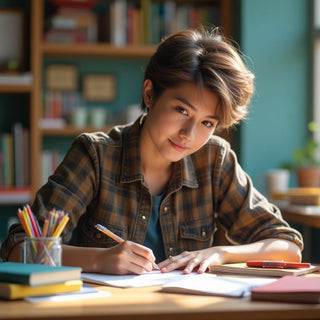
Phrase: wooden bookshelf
(40, 50)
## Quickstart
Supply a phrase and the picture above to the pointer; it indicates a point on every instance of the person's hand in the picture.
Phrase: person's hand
(193, 261)
(125, 258)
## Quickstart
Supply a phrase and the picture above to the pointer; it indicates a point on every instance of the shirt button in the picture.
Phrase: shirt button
(143, 217)
(98, 236)
(165, 209)
(170, 249)
(203, 234)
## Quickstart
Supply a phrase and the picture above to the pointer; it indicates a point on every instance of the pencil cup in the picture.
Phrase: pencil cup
(41, 250)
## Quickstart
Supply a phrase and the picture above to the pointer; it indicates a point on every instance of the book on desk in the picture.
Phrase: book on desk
(37, 274)
(12, 291)
(243, 269)
(289, 289)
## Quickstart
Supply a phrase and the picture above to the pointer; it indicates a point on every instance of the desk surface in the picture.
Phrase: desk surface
(305, 219)
(305, 215)
(149, 304)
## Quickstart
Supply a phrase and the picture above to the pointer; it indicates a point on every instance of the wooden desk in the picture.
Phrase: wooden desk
(149, 304)
(308, 220)
(300, 217)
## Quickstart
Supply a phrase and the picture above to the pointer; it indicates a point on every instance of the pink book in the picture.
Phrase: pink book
(289, 289)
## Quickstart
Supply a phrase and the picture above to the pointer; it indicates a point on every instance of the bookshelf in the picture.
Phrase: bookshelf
(43, 53)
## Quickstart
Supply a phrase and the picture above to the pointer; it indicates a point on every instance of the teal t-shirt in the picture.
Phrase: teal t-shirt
(153, 238)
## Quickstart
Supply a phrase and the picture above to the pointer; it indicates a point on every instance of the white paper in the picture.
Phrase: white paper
(86, 292)
(153, 278)
(218, 286)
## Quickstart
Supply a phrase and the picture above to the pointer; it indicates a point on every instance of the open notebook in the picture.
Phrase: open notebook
(176, 281)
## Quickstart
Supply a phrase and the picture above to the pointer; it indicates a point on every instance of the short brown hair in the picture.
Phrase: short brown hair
(203, 57)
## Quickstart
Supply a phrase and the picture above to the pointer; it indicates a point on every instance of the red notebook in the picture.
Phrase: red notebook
(289, 289)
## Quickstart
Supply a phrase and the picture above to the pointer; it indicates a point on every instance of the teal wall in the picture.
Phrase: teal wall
(274, 35)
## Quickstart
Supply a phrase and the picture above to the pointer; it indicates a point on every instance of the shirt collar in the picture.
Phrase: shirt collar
(184, 172)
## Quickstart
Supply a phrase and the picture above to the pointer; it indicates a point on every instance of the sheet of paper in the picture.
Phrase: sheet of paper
(153, 278)
(218, 286)
(85, 293)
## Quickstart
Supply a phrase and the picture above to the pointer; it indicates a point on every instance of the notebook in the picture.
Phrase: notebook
(37, 274)
(289, 289)
(241, 268)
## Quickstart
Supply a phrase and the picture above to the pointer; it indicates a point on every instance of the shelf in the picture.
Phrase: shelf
(100, 50)
(71, 131)
(15, 195)
(15, 88)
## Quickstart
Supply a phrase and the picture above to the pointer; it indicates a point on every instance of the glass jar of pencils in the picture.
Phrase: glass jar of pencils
(41, 250)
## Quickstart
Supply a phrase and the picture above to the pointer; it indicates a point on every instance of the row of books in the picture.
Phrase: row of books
(60, 105)
(127, 22)
(72, 25)
(14, 157)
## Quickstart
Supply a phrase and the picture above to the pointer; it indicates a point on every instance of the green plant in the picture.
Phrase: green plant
(307, 155)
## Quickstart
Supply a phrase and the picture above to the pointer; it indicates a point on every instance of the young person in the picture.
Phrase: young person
(163, 182)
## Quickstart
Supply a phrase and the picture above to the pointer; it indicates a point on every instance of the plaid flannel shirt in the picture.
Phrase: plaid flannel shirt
(100, 181)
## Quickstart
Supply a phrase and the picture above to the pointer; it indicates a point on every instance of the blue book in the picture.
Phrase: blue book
(37, 274)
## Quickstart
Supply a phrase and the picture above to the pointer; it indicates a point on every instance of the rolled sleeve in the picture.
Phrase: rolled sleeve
(16, 235)
(244, 212)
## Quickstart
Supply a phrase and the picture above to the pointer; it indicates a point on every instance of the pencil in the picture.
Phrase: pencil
(115, 237)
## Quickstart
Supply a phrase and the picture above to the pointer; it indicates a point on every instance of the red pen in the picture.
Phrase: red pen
(277, 264)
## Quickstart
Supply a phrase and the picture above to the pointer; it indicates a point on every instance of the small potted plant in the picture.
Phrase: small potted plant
(306, 159)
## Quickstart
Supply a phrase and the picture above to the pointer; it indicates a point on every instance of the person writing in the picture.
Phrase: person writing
(163, 182)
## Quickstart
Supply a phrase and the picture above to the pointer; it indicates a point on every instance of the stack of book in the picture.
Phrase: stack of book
(73, 22)
(300, 196)
(19, 280)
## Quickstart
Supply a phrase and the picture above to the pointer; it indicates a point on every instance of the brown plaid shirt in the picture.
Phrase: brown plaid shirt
(100, 181)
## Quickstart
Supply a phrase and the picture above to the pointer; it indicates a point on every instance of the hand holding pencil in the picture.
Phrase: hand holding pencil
(115, 237)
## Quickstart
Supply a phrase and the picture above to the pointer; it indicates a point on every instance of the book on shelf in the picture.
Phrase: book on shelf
(289, 289)
(12, 291)
(242, 268)
(7, 167)
(14, 157)
(37, 274)
(21, 155)
(72, 25)
(123, 22)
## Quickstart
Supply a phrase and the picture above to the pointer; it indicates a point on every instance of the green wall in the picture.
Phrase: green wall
(274, 35)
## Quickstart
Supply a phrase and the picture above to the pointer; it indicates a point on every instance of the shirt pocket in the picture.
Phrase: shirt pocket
(197, 234)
